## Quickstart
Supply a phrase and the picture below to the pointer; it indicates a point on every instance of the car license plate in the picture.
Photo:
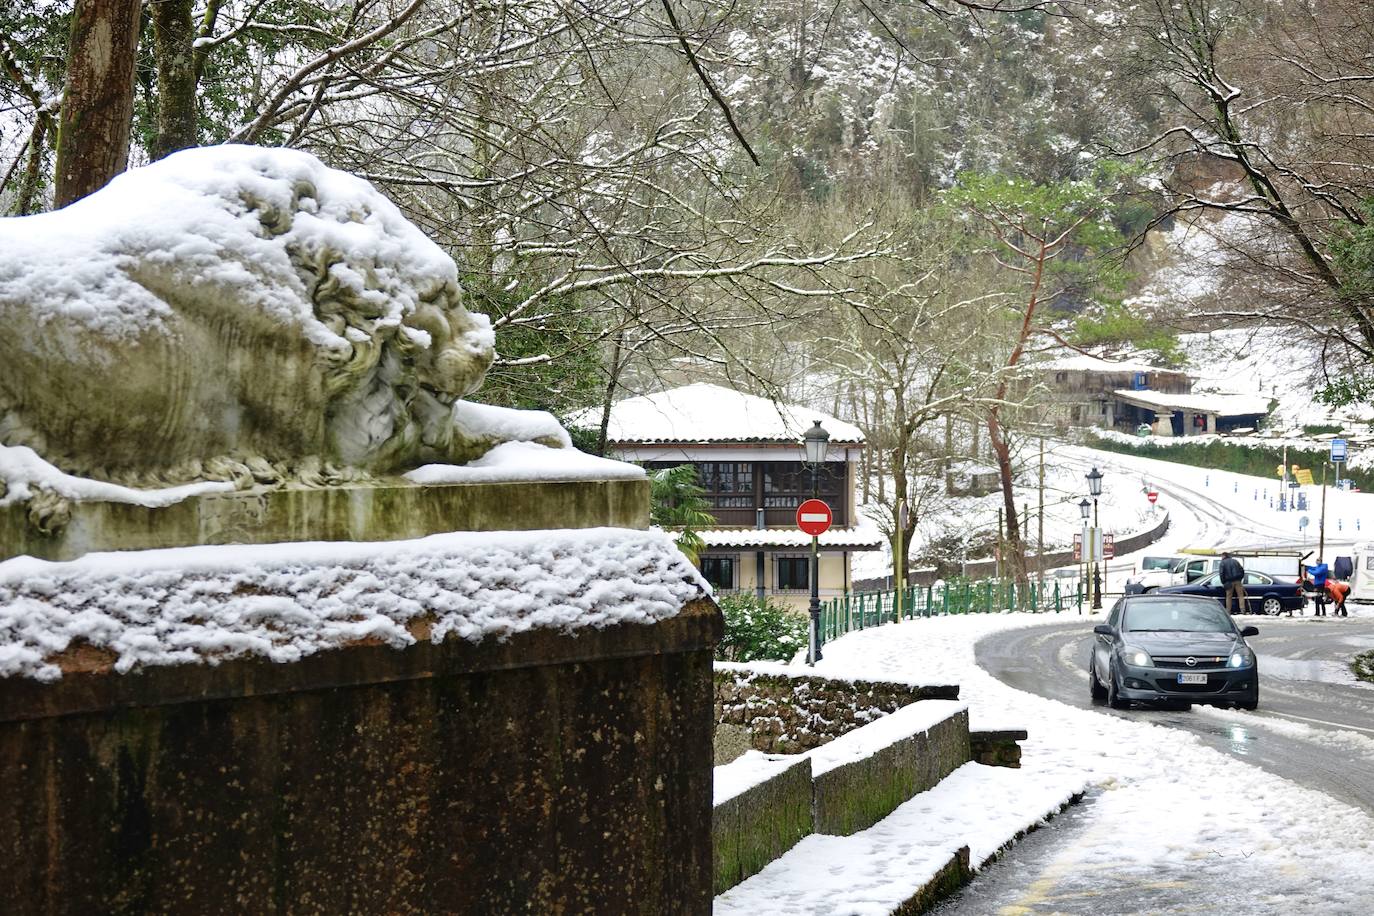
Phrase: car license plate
(1198, 678)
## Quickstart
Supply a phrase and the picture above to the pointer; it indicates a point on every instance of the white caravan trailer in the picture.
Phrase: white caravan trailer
(1362, 574)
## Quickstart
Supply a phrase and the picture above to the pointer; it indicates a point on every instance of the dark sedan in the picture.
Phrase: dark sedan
(1264, 594)
(1172, 649)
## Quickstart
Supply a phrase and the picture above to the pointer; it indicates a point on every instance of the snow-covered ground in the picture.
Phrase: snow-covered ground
(1165, 808)
(1207, 509)
(1122, 508)
(1274, 363)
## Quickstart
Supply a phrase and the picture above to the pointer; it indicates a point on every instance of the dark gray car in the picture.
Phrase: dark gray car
(1172, 649)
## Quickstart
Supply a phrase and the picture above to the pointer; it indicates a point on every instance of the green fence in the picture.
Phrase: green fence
(861, 610)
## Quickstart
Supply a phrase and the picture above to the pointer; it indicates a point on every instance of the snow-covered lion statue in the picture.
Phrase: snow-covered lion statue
(236, 313)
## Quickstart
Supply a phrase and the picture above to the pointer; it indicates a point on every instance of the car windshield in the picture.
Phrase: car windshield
(1178, 617)
(1156, 563)
(1211, 580)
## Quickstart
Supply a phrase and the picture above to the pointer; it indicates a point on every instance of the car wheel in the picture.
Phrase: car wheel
(1095, 688)
(1272, 606)
(1113, 697)
(1251, 705)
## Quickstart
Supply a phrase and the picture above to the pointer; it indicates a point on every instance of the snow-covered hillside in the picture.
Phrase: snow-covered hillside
(1278, 363)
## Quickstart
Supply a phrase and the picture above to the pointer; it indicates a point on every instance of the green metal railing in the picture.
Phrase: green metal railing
(862, 610)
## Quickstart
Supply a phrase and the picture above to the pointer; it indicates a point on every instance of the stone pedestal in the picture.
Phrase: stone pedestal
(391, 512)
(550, 773)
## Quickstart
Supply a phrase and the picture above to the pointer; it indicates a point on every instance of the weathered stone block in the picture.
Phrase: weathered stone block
(955, 874)
(544, 774)
(997, 748)
(760, 824)
(390, 512)
(730, 742)
(857, 795)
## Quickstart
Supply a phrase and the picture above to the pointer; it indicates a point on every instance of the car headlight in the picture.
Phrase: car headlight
(1137, 657)
(1241, 658)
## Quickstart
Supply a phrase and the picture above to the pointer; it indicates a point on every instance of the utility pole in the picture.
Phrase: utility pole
(899, 562)
(1040, 536)
(1321, 525)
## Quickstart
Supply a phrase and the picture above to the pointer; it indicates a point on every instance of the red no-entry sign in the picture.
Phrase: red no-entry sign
(1152, 496)
(813, 517)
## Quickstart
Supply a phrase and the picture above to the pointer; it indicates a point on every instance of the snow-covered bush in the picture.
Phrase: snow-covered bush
(757, 629)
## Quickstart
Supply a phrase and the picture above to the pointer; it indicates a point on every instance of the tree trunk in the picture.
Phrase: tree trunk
(33, 169)
(98, 104)
(173, 37)
(1014, 556)
(612, 381)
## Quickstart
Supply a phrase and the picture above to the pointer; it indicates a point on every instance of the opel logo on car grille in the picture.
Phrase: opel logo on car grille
(1191, 662)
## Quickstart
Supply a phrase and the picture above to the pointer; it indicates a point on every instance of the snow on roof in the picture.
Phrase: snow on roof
(710, 413)
(858, 538)
(196, 605)
(1081, 362)
(1225, 405)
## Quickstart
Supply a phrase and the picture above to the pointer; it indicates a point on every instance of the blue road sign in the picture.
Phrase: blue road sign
(1338, 451)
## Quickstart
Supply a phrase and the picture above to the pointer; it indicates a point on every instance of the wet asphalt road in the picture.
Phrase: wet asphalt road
(1306, 698)
(1304, 682)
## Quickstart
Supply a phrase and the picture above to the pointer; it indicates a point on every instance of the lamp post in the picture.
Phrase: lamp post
(814, 444)
(1085, 509)
(1095, 490)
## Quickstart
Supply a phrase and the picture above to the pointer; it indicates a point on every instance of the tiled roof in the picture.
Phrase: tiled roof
(1226, 405)
(710, 413)
(858, 538)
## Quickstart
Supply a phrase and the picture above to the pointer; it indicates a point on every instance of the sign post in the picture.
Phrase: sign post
(814, 518)
(1340, 451)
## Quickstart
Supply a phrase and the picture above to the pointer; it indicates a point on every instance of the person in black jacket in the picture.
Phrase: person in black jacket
(1233, 580)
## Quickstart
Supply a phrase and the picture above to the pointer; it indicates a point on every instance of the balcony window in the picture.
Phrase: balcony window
(787, 483)
(728, 484)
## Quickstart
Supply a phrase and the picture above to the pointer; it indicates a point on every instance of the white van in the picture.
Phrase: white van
(1186, 569)
(1156, 572)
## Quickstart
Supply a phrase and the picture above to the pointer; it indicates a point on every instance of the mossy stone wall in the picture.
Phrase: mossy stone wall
(792, 714)
(760, 824)
(545, 774)
(857, 795)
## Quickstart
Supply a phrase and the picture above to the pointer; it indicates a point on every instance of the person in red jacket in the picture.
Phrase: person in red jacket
(1338, 592)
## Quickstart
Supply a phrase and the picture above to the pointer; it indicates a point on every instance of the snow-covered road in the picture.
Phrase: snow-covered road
(1171, 824)
(1215, 509)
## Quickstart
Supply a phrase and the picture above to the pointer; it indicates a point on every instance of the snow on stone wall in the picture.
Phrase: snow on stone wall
(287, 601)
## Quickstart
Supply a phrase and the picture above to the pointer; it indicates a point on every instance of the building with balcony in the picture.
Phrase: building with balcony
(748, 456)
(1126, 395)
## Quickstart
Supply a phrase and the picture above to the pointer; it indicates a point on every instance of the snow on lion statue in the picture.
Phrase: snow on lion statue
(237, 313)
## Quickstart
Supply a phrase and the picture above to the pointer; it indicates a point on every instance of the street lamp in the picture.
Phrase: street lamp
(1085, 509)
(814, 444)
(1095, 490)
